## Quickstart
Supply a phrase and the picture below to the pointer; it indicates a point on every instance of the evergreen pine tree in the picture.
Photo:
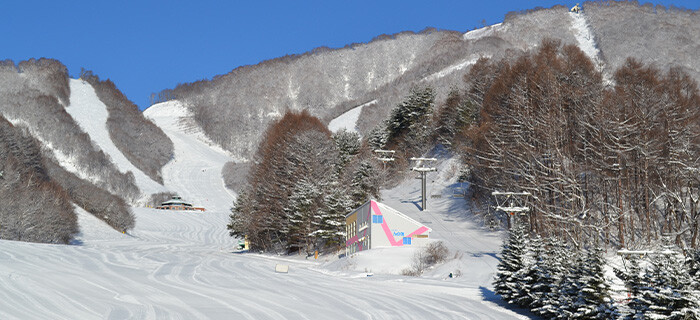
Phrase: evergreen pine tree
(512, 260)
(409, 120)
(528, 276)
(303, 216)
(337, 204)
(635, 281)
(364, 184)
(594, 301)
(569, 287)
(377, 137)
(348, 145)
(551, 271)
(670, 296)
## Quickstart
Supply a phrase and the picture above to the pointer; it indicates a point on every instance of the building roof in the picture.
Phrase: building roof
(384, 208)
(176, 201)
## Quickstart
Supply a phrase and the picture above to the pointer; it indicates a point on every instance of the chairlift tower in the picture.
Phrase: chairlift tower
(423, 170)
(512, 204)
(385, 156)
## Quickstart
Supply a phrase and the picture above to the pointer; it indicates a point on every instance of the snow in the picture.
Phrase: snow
(195, 171)
(482, 32)
(584, 36)
(456, 67)
(181, 264)
(91, 115)
(348, 120)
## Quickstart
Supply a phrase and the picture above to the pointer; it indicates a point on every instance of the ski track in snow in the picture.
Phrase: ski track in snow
(348, 120)
(482, 32)
(584, 36)
(195, 171)
(91, 114)
(586, 41)
(458, 66)
(180, 265)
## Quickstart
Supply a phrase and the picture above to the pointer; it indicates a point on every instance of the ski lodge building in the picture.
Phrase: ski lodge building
(374, 225)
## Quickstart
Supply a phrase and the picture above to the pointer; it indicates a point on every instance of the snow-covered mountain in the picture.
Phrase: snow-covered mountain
(234, 109)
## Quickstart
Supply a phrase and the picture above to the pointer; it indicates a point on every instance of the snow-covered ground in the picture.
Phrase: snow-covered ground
(586, 41)
(483, 32)
(195, 171)
(91, 114)
(348, 120)
(584, 36)
(182, 265)
(455, 67)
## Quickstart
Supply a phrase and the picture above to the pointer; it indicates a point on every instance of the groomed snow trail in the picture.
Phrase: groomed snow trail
(586, 41)
(195, 171)
(91, 114)
(584, 36)
(348, 120)
(175, 266)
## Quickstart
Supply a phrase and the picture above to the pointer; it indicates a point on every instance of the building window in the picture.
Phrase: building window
(407, 240)
(377, 219)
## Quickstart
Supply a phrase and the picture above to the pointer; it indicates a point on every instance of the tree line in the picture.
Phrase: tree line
(605, 158)
(558, 281)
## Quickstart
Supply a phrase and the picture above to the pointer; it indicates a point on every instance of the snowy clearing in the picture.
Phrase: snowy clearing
(348, 120)
(91, 114)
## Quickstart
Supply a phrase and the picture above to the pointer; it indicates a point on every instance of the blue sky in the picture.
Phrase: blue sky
(147, 46)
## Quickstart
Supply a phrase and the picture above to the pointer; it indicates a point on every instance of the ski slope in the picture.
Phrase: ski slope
(348, 120)
(91, 114)
(195, 171)
(181, 265)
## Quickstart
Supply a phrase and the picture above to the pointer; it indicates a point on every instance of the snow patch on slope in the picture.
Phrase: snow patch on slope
(483, 32)
(586, 41)
(455, 67)
(348, 120)
(195, 171)
(584, 36)
(91, 114)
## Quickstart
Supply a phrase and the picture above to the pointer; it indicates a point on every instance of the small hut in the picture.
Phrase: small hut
(177, 203)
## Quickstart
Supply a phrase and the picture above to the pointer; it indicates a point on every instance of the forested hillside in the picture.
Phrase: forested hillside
(616, 164)
(35, 208)
(142, 142)
(233, 109)
(35, 93)
(51, 162)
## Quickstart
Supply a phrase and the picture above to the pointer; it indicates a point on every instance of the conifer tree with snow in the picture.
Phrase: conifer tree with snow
(634, 279)
(364, 183)
(593, 300)
(408, 123)
(331, 230)
(348, 144)
(670, 295)
(377, 137)
(528, 276)
(569, 287)
(302, 211)
(550, 273)
(512, 261)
